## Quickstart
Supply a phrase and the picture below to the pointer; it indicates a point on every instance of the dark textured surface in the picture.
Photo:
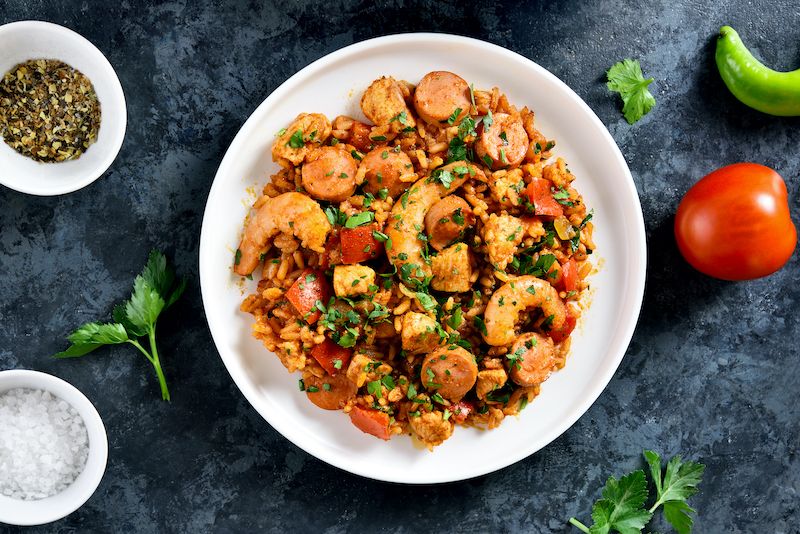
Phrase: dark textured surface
(711, 372)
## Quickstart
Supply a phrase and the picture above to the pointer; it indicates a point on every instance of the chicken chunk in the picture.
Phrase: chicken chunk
(420, 333)
(502, 234)
(505, 187)
(489, 380)
(363, 369)
(353, 280)
(383, 103)
(313, 128)
(431, 428)
(452, 270)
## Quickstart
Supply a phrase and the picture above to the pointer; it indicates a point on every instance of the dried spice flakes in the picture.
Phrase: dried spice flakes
(48, 110)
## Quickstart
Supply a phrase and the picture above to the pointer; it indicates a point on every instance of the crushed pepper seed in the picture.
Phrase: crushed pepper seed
(48, 110)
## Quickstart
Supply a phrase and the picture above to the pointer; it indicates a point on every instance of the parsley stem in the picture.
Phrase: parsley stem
(154, 360)
(579, 524)
(157, 364)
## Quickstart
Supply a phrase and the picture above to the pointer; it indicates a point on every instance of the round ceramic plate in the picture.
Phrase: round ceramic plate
(333, 85)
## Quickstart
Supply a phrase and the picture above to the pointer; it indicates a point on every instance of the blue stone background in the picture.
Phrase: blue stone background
(711, 372)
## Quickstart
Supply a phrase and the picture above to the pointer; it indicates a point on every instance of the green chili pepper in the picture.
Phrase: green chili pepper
(761, 88)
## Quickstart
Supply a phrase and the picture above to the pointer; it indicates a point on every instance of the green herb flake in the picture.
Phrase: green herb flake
(296, 140)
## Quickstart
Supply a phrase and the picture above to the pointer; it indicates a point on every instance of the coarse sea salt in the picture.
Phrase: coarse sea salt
(43, 444)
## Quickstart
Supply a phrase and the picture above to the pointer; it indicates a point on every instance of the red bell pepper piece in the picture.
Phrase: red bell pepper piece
(569, 275)
(358, 244)
(541, 198)
(461, 410)
(569, 325)
(369, 421)
(331, 356)
(309, 288)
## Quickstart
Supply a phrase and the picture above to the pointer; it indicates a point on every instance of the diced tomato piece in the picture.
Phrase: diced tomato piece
(331, 356)
(569, 275)
(332, 252)
(541, 197)
(461, 410)
(358, 244)
(569, 325)
(369, 421)
(359, 136)
(306, 291)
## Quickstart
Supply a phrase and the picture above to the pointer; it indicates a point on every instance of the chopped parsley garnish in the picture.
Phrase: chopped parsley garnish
(296, 140)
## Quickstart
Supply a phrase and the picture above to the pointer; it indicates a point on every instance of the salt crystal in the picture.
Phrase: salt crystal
(44, 446)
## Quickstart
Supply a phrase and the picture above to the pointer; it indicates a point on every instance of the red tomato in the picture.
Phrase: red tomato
(359, 245)
(359, 137)
(569, 275)
(306, 291)
(371, 421)
(541, 197)
(461, 410)
(328, 353)
(734, 223)
(570, 322)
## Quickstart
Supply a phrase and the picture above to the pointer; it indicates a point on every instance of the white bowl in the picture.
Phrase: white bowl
(39, 512)
(22, 41)
(333, 85)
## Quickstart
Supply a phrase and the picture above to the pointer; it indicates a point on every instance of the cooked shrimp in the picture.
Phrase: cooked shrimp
(291, 213)
(407, 218)
(502, 312)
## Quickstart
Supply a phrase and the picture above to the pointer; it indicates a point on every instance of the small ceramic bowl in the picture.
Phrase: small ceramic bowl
(26, 40)
(39, 512)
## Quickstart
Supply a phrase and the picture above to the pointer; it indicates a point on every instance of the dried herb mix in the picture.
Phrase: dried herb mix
(48, 110)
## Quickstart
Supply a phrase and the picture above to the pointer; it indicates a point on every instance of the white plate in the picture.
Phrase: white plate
(333, 85)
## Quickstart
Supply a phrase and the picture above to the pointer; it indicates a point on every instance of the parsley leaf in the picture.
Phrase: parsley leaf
(626, 78)
(679, 483)
(622, 507)
(153, 291)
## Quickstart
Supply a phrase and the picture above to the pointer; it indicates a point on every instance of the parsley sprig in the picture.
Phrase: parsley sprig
(622, 507)
(626, 78)
(155, 290)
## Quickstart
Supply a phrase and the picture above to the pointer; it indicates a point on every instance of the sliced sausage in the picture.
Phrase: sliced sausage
(330, 392)
(446, 220)
(387, 169)
(532, 359)
(330, 174)
(504, 143)
(438, 95)
(451, 371)
(384, 103)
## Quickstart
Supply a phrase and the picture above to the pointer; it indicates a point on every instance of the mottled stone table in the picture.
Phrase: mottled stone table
(711, 372)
